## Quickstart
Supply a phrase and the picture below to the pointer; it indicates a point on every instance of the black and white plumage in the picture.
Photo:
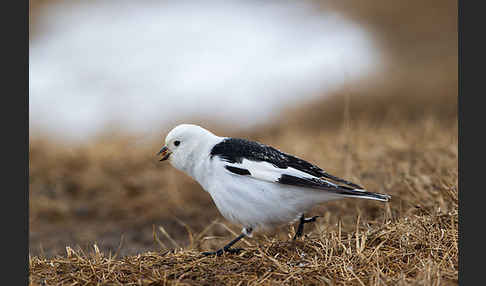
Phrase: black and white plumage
(252, 184)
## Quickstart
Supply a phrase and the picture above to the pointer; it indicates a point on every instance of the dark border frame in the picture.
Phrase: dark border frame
(17, 124)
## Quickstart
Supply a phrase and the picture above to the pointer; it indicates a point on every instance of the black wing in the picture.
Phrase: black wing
(234, 150)
(317, 183)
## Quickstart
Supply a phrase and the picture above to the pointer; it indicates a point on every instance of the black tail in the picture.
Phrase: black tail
(359, 193)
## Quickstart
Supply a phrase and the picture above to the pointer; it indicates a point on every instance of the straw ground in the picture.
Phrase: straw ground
(108, 213)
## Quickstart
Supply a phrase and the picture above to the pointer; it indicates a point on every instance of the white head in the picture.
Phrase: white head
(185, 143)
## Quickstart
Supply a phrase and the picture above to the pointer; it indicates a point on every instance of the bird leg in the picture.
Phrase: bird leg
(226, 248)
(300, 228)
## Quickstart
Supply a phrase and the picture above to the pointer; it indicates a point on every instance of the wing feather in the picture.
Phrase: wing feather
(235, 150)
(289, 176)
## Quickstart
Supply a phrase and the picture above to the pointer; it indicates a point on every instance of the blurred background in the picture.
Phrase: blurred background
(109, 79)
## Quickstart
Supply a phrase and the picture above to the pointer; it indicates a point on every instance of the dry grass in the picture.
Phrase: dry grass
(420, 249)
(96, 194)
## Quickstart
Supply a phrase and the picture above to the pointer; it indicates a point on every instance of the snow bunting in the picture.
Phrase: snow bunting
(252, 184)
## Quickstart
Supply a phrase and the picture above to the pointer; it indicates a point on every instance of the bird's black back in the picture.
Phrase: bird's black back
(234, 150)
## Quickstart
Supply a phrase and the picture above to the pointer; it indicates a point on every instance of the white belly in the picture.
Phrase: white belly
(260, 204)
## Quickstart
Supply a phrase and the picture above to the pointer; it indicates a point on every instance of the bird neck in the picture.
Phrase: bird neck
(195, 163)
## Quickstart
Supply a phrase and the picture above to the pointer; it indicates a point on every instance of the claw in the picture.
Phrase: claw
(300, 228)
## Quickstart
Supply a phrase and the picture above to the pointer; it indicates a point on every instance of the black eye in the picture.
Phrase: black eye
(177, 143)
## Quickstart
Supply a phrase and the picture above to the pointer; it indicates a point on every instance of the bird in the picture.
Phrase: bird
(252, 184)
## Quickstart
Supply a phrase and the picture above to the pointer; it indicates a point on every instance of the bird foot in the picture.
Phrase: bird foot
(300, 228)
